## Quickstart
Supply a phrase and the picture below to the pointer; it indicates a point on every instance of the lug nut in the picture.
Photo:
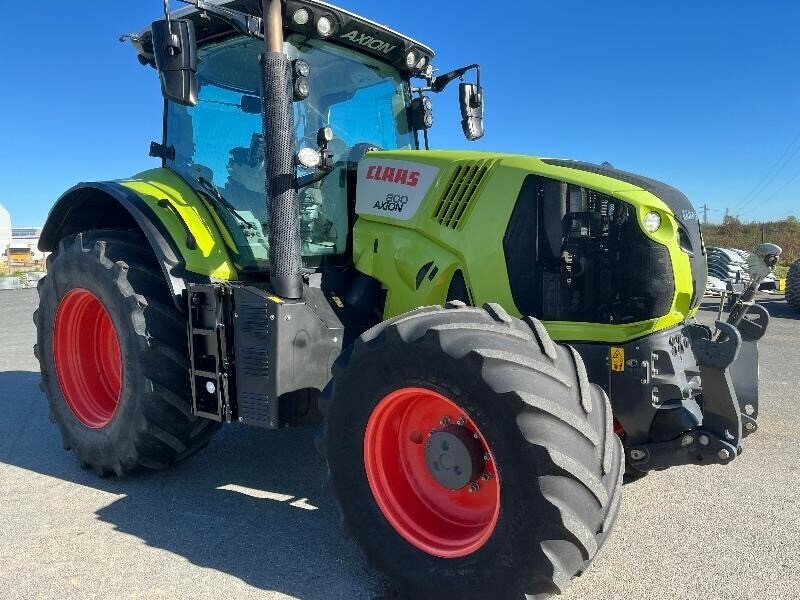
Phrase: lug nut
(486, 476)
(704, 441)
(687, 440)
(750, 426)
(461, 421)
(637, 454)
(724, 454)
(474, 487)
(445, 421)
(487, 457)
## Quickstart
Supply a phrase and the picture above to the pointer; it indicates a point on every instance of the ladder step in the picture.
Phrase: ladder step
(204, 331)
(206, 374)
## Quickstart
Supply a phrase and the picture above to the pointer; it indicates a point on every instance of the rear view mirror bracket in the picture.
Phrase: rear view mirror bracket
(471, 99)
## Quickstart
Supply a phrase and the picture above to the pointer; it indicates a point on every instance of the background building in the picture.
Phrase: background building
(27, 239)
(5, 232)
(19, 246)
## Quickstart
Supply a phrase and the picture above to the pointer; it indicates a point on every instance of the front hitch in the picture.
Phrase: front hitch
(727, 359)
(728, 363)
(715, 354)
(718, 440)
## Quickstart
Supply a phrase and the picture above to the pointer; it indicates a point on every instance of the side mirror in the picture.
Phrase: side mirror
(175, 49)
(472, 108)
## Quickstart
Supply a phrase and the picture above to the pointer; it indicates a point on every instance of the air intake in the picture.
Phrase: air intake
(464, 186)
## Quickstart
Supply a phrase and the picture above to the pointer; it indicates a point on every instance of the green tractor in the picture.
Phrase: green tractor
(271, 272)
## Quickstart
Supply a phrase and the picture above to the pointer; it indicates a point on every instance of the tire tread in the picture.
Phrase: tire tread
(580, 475)
(171, 433)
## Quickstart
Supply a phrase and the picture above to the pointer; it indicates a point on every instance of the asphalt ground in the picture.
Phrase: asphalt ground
(248, 517)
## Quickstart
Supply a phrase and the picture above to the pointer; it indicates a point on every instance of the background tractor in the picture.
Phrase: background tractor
(793, 286)
(472, 451)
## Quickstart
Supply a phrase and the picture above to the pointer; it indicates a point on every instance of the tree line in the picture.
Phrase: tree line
(733, 233)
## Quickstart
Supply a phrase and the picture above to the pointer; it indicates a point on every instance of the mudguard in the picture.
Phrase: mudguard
(187, 240)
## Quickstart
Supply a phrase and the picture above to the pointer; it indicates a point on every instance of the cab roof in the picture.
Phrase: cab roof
(349, 30)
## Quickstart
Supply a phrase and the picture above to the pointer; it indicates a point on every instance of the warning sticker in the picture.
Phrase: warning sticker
(618, 359)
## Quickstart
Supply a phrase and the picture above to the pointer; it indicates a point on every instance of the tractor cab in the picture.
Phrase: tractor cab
(352, 92)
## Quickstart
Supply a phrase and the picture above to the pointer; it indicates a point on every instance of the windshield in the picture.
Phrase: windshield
(364, 101)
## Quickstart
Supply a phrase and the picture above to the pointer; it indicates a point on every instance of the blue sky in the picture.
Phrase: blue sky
(702, 95)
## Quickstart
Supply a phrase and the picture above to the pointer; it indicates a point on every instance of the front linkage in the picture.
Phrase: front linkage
(727, 387)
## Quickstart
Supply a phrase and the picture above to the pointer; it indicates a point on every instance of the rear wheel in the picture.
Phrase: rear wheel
(793, 286)
(113, 357)
(470, 455)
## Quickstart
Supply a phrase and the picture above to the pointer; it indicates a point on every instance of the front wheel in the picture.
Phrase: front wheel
(470, 455)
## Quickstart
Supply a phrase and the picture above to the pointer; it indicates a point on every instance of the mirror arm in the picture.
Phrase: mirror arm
(440, 83)
(243, 23)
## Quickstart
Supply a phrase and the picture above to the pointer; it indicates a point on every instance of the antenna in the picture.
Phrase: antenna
(166, 10)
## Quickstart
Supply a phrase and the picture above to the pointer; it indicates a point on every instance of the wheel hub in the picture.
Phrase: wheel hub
(423, 456)
(454, 457)
(88, 359)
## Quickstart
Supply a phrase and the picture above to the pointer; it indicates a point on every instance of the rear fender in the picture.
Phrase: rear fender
(181, 233)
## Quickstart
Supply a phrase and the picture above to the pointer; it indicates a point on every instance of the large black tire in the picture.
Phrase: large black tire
(793, 286)
(549, 430)
(152, 426)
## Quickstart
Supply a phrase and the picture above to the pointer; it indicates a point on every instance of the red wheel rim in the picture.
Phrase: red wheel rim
(88, 358)
(439, 521)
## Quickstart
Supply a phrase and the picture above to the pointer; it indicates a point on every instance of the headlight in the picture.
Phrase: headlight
(411, 59)
(652, 222)
(301, 16)
(301, 68)
(302, 89)
(324, 26)
(309, 158)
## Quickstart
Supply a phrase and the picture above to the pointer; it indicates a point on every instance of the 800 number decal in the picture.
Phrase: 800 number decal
(393, 203)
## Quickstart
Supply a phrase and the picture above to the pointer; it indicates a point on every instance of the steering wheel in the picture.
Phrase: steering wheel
(359, 151)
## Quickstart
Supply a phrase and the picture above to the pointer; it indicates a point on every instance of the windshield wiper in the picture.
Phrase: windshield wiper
(212, 192)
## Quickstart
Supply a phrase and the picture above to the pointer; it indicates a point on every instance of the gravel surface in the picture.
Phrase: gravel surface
(248, 517)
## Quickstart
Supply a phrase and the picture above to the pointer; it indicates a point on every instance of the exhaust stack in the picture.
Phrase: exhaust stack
(279, 146)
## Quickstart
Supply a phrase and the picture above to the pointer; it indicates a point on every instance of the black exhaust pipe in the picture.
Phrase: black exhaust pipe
(279, 145)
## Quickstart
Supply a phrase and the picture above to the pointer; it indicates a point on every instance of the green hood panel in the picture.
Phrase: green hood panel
(459, 222)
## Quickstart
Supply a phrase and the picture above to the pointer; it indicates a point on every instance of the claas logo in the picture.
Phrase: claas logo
(392, 175)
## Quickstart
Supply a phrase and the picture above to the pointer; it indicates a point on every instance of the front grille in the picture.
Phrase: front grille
(576, 255)
(465, 185)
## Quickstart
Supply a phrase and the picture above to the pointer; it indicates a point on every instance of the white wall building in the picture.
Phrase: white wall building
(27, 237)
(5, 231)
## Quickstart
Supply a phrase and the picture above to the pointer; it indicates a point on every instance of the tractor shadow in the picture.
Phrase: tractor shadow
(240, 507)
